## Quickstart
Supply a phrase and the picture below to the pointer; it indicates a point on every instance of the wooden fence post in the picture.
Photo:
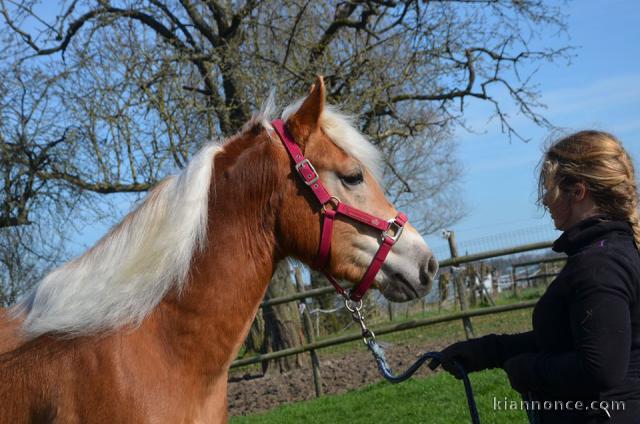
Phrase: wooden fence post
(466, 321)
(515, 282)
(308, 332)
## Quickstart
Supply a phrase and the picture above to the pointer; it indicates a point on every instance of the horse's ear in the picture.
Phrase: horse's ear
(307, 118)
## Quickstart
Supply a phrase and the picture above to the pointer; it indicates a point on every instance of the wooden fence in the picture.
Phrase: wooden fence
(465, 315)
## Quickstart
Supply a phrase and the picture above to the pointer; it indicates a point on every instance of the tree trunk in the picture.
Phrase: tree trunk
(255, 338)
(282, 323)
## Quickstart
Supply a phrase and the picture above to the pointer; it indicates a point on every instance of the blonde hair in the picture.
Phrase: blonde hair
(598, 160)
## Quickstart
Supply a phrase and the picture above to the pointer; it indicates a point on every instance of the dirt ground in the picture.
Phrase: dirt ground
(340, 373)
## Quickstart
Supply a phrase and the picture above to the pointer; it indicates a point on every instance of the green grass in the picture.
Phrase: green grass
(436, 399)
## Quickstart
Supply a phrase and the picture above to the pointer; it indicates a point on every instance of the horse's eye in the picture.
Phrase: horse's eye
(352, 180)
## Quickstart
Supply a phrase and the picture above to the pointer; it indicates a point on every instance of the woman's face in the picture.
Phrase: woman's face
(560, 209)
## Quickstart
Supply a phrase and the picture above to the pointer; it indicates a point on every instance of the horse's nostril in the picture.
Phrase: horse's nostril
(433, 266)
(429, 271)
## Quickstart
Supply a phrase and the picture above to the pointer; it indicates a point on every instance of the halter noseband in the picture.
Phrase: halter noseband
(390, 230)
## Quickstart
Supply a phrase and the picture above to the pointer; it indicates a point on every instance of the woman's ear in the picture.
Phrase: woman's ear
(579, 191)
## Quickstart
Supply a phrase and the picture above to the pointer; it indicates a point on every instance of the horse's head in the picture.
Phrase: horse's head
(347, 165)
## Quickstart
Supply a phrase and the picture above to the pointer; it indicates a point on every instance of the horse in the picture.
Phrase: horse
(143, 327)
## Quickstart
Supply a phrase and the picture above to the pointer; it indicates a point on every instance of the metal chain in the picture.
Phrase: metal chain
(357, 313)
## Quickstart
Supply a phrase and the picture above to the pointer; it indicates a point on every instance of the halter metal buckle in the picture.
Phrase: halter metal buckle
(306, 162)
(335, 201)
(394, 231)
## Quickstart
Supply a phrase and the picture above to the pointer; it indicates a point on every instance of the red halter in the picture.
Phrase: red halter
(390, 230)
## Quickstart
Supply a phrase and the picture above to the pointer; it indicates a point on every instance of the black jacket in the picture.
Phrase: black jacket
(585, 343)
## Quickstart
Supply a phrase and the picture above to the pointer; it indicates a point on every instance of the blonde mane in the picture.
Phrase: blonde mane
(126, 274)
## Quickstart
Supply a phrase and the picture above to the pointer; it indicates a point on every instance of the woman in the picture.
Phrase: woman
(583, 355)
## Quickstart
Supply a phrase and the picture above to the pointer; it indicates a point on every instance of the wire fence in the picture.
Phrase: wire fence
(498, 241)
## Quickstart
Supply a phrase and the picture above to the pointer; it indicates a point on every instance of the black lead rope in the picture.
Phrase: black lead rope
(369, 339)
(387, 373)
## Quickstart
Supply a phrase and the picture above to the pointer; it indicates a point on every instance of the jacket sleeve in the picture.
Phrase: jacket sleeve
(490, 351)
(601, 332)
(510, 345)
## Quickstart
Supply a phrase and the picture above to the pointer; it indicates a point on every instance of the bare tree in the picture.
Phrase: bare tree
(145, 82)
(35, 211)
(109, 96)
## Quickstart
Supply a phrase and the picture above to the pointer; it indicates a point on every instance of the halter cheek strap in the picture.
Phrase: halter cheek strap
(303, 167)
(390, 230)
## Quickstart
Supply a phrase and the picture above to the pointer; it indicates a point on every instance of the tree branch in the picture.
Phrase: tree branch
(200, 23)
(97, 187)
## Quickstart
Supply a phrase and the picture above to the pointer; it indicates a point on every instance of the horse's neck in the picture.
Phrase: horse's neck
(207, 323)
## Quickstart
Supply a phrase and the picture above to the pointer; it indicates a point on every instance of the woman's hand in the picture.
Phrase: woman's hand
(472, 355)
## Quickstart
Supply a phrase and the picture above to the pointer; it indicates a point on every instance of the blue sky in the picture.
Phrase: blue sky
(599, 89)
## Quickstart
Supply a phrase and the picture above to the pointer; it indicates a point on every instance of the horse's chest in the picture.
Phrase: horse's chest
(213, 408)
